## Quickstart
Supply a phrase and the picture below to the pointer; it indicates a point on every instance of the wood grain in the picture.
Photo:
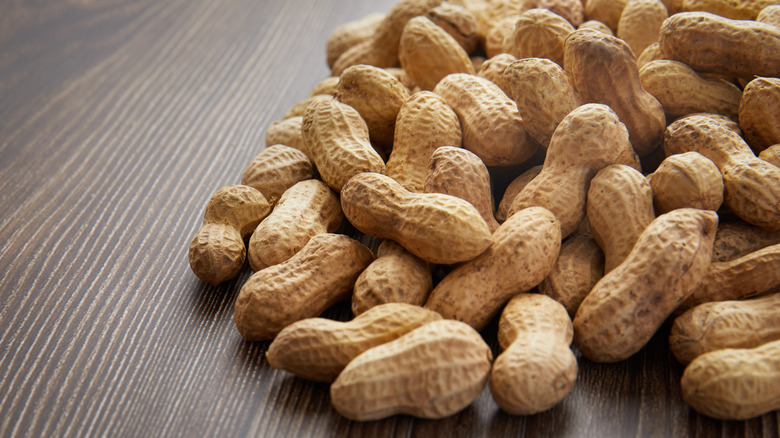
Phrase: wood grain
(118, 119)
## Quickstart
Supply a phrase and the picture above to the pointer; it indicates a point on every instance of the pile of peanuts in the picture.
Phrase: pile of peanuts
(642, 138)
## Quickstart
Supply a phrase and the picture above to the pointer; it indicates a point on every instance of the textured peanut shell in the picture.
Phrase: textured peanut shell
(686, 180)
(770, 15)
(431, 372)
(579, 266)
(458, 172)
(771, 154)
(428, 53)
(306, 209)
(286, 132)
(710, 43)
(605, 11)
(325, 86)
(318, 276)
(725, 324)
(337, 141)
(603, 70)
(682, 91)
(539, 33)
(759, 113)
(498, 36)
(628, 305)
(437, 228)
(276, 169)
(458, 22)
(640, 22)
(496, 12)
(523, 252)
(751, 275)
(513, 189)
(491, 124)
(376, 95)
(299, 108)
(572, 10)
(651, 53)
(587, 140)
(217, 250)
(425, 122)
(543, 93)
(752, 186)
(537, 368)
(736, 239)
(493, 70)
(319, 349)
(596, 25)
(734, 384)
(620, 207)
(350, 34)
(733, 9)
(396, 276)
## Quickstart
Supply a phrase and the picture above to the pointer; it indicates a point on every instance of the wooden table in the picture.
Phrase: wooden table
(118, 119)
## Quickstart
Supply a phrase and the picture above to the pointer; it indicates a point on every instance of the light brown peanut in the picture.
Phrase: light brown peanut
(514, 188)
(596, 25)
(539, 33)
(306, 209)
(437, 228)
(686, 180)
(580, 265)
(770, 15)
(286, 132)
(733, 9)
(759, 113)
(350, 34)
(526, 245)
(771, 154)
(736, 239)
(493, 70)
(318, 276)
(325, 86)
(572, 10)
(497, 39)
(640, 22)
(458, 22)
(628, 305)
(319, 349)
(537, 369)
(217, 252)
(651, 53)
(276, 169)
(396, 276)
(605, 11)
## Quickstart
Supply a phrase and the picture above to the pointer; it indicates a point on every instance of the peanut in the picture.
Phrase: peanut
(276, 169)
(580, 265)
(350, 34)
(319, 349)
(759, 113)
(686, 180)
(437, 228)
(640, 22)
(628, 305)
(431, 372)
(734, 9)
(299, 108)
(537, 368)
(596, 25)
(539, 33)
(605, 11)
(306, 209)
(458, 22)
(514, 188)
(217, 251)
(493, 70)
(286, 132)
(326, 86)
(770, 15)
(736, 239)
(771, 154)
(572, 10)
(497, 38)
(322, 273)
(651, 53)
(526, 245)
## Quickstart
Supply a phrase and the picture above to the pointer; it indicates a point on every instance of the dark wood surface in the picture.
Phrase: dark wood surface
(118, 119)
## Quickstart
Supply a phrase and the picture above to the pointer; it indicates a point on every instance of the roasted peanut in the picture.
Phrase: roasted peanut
(350, 34)
(759, 113)
(734, 9)
(276, 169)
(771, 154)
(526, 245)
(686, 180)
(319, 349)
(286, 132)
(318, 276)
(630, 303)
(514, 188)
(306, 209)
(736, 239)
(431, 372)
(299, 108)
(537, 368)
(596, 25)
(497, 39)
(493, 70)
(770, 15)
(725, 324)
(572, 10)
(458, 22)
(651, 53)
(396, 276)
(437, 228)
(734, 384)
(605, 11)
(539, 33)
(640, 22)
(217, 252)
(326, 86)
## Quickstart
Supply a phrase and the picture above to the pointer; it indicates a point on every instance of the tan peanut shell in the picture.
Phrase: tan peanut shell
(736, 239)
(306, 209)
(752, 186)
(349, 34)
(522, 253)
(425, 122)
(596, 25)
(396, 276)
(651, 53)
(286, 132)
(458, 172)
(537, 369)
(572, 10)
(458, 22)
(640, 22)
(493, 70)
(437, 228)
(325, 86)
(759, 113)
(619, 208)
(710, 43)
(770, 15)
(319, 349)
(605, 11)
(686, 180)
(539, 33)
(513, 189)
(376, 95)
(725, 324)
(543, 93)
(217, 252)
(628, 305)
(580, 265)
(337, 141)
(498, 36)
(733, 9)
(597, 62)
(276, 169)
(299, 108)
(477, 61)
(734, 384)
(748, 276)
(682, 91)
(771, 154)
(588, 139)
(491, 124)
(498, 13)
(318, 276)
